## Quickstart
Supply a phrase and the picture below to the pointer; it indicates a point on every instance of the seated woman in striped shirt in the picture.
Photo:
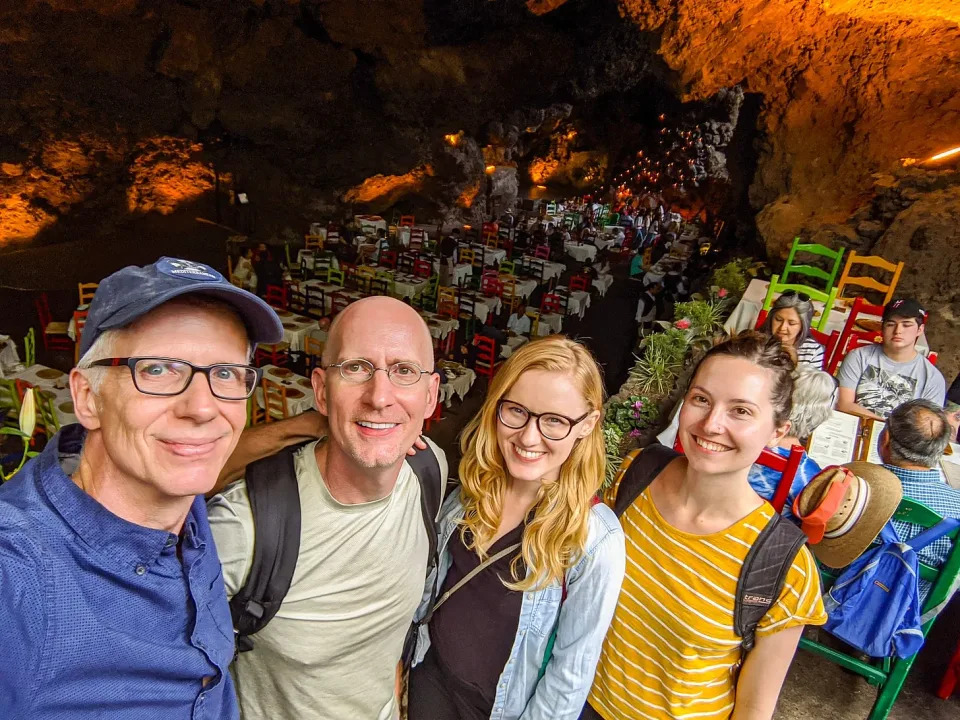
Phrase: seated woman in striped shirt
(521, 638)
(789, 321)
(671, 651)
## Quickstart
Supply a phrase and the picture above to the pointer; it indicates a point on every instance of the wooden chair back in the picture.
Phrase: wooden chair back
(313, 242)
(866, 282)
(274, 400)
(833, 258)
(86, 291)
(777, 288)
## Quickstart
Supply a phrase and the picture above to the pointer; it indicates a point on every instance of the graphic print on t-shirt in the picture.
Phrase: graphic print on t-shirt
(881, 391)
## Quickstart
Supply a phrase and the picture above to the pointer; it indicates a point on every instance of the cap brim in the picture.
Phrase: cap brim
(261, 321)
(885, 495)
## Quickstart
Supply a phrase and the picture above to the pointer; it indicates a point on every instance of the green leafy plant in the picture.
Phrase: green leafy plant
(612, 437)
(654, 371)
(27, 421)
(673, 343)
(704, 317)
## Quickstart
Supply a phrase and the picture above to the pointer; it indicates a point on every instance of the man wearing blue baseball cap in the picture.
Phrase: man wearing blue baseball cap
(111, 592)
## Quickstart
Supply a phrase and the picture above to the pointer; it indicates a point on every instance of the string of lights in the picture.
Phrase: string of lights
(676, 162)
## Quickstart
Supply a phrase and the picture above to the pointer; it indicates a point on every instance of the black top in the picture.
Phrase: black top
(448, 246)
(473, 632)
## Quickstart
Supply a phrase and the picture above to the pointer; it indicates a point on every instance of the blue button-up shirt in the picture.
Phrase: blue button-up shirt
(101, 618)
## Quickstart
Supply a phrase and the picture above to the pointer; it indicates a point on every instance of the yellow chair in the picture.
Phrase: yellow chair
(87, 290)
(274, 400)
(869, 283)
(466, 256)
(365, 274)
(534, 316)
(313, 350)
(313, 242)
(508, 293)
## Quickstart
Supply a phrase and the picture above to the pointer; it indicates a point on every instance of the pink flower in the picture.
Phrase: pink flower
(682, 324)
(722, 292)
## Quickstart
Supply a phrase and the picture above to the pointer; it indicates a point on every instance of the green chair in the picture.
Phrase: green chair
(426, 296)
(508, 267)
(30, 348)
(296, 271)
(388, 278)
(335, 277)
(889, 674)
(777, 288)
(832, 256)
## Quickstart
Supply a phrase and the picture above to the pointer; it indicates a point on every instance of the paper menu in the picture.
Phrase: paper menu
(873, 441)
(835, 441)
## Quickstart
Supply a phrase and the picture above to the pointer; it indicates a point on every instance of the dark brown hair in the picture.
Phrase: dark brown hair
(765, 352)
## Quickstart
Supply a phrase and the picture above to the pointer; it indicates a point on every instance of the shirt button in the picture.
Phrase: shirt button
(171, 541)
(141, 570)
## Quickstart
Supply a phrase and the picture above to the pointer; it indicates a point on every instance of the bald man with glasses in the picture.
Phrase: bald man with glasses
(332, 649)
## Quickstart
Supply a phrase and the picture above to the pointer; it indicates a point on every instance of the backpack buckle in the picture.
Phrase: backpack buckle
(254, 609)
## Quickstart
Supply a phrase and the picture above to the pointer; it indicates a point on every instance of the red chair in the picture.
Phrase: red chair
(276, 295)
(416, 239)
(488, 228)
(829, 343)
(550, 303)
(491, 286)
(277, 354)
(951, 677)
(786, 466)
(422, 268)
(932, 357)
(580, 282)
(338, 302)
(406, 220)
(79, 322)
(54, 332)
(388, 258)
(851, 336)
(542, 252)
(435, 417)
(485, 362)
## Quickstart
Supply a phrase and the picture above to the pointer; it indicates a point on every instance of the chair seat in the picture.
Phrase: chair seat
(56, 328)
(276, 347)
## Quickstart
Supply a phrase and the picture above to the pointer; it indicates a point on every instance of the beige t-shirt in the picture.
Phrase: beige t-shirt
(331, 650)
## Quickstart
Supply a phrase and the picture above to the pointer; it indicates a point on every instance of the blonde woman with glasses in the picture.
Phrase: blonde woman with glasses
(530, 568)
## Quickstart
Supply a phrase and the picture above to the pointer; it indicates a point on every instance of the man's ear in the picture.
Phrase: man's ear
(318, 379)
(85, 405)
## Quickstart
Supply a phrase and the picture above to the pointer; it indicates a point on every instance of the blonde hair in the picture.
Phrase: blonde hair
(556, 535)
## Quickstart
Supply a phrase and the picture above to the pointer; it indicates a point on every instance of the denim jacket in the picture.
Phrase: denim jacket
(593, 587)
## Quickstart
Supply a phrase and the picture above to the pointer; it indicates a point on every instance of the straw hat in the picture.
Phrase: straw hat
(843, 510)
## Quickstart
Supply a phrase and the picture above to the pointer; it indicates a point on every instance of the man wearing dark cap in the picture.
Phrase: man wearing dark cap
(876, 378)
(111, 593)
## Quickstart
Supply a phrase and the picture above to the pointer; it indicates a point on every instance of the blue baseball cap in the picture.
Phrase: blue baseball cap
(132, 292)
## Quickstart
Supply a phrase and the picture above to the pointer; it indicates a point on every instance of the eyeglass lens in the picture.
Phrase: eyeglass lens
(360, 370)
(516, 416)
(170, 377)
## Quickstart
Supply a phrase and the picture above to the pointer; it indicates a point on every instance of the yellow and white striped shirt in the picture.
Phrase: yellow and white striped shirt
(671, 651)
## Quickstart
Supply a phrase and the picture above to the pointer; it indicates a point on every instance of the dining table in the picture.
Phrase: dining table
(581, 252)
(513, 342)
(577, 301)
(461, 272)
(300, 396)
(296, 328)
(9, 358)
(602, 283)
(455, 381)
(406, 285)
(51, 383)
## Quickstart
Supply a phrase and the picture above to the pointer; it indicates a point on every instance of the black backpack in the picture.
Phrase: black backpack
(768, 560)
(275, 504)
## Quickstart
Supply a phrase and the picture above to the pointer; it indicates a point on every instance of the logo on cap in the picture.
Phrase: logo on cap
(189, 270)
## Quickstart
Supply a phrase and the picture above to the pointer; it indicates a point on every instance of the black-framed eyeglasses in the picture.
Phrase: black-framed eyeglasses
(359, 370)
(791, 293)
(169, 376)
(553, 426)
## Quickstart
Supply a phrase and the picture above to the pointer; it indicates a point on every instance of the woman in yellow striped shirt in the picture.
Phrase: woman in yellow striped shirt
(671, 650)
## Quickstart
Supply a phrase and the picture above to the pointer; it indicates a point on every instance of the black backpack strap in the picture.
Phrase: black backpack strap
(762, 575)
(427, 469)
(636, 476)
(275, 504)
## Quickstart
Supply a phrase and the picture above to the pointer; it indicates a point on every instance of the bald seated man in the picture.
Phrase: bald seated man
(333, 647)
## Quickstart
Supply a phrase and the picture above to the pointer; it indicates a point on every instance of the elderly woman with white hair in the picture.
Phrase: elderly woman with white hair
(789, 321)
(814, 397)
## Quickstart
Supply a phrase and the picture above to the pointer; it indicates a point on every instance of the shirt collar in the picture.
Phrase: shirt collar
(122, 540)
(929, 475)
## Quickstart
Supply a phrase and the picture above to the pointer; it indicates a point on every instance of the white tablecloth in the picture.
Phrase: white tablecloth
(526, 287)
(550, 323)
(51, 382)
(404, 232)
(484, 306)
(295, 328)
(580, 252)
(552, 270)
(374, 222)
(300, 396)
(577, 303)
(506, 350)
(459, 385)
(460, 273)
(8, 355)
(604, 242)
(438, 325)
(602, 283)
(72, 324)
(406, 286)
